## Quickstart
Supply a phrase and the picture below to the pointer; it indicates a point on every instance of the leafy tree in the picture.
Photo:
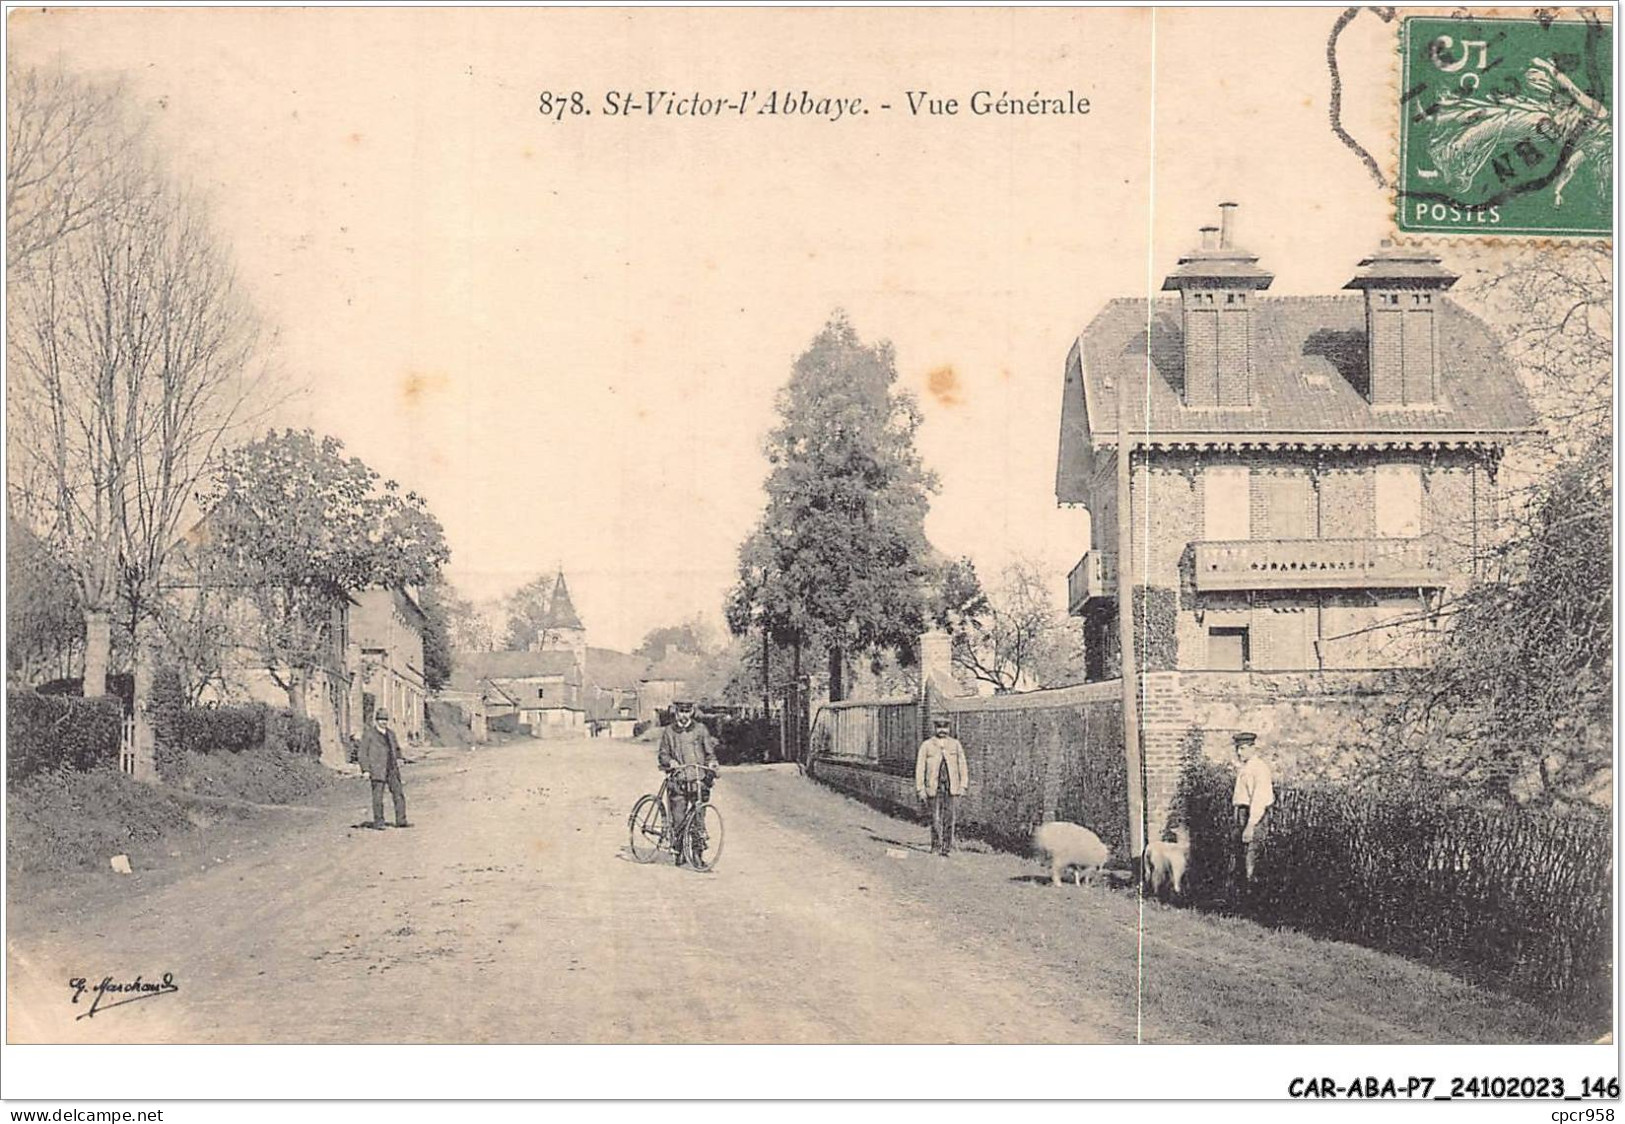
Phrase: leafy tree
(45, 623)
(526, 608)
(840, 554)
(439, 602)
(1014, 639)
(294, 526)
(468, 629)
(960, 598)
(693, 636)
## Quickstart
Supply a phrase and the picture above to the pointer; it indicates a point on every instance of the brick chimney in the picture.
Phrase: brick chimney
(1215, 283)
(1402, 287)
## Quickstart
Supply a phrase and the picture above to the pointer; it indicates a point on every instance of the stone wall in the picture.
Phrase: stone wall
(1311, 726)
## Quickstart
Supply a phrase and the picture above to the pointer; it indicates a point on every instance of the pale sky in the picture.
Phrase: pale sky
(568, 335)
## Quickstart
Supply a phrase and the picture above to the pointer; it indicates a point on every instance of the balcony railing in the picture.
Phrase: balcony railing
(1317, 564)
(1094, 576)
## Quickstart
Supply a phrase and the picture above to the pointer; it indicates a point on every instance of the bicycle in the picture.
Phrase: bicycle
(698, 837)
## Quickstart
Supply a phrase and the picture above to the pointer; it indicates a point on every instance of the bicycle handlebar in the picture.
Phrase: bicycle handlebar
(675, 769)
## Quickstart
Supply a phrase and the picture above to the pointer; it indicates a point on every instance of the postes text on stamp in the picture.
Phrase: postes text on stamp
(1506, 127)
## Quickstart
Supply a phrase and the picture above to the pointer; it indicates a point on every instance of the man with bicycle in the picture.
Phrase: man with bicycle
(686, 742)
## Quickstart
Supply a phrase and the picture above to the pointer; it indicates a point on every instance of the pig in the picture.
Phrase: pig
(1069, 845)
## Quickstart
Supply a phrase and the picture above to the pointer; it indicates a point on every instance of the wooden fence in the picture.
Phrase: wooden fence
(884, 735)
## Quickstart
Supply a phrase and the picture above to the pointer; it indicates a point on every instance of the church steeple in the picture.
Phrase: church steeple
(562, 629)
(561, 611)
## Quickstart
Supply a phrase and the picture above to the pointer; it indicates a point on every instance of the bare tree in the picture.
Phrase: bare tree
(65, 138)
(1516, 703)
(132, 355)
(1017, 639)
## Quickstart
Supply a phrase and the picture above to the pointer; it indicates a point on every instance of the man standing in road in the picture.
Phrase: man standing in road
(1254, 794)
(940, 776)
(380, 758)
(685, 742)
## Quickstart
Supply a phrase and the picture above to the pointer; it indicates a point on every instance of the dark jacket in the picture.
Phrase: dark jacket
(379, 752)
(694, 746)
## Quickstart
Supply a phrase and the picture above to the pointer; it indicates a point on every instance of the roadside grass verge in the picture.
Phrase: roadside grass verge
(65, 821)
(1178, 974)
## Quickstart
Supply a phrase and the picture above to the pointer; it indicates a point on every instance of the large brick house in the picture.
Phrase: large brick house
(1310, 475)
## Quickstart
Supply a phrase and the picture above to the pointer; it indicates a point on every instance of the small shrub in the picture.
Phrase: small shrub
(45, 734)
(286, 732)
(167, 710)
(209, 729)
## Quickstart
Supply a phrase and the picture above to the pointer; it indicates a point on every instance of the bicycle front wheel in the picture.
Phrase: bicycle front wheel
(647, 825)
(704, 843)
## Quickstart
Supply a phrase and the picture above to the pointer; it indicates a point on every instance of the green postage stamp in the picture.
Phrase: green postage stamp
(1506, 127)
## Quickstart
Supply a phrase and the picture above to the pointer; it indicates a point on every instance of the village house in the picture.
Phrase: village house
(542, 690)
(386, 629)
(560, 686)
(1311, 477)
(1310, 474)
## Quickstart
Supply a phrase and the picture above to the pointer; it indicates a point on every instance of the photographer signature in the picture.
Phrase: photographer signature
(129, 991)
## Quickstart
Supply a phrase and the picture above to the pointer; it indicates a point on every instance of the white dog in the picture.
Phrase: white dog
(1164, 863)
(1069, 845)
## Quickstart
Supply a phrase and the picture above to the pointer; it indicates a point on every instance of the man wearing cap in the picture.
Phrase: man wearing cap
(940, 776)
(380, 757)
(685, 742)
(1253, 796)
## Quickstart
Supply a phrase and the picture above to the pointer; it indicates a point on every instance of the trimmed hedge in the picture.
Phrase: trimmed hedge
(180, 729)
(1514, 899)
(46, 734)
(744, 739)
(285, 731)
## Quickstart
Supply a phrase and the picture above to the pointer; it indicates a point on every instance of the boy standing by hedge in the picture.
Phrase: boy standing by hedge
(380, 759)
(1255, 792)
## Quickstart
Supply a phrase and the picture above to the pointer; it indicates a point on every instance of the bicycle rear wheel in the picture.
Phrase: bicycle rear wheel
(647, 826)
(704, 843)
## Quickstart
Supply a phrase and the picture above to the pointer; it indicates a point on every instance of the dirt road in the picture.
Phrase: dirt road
(512, 913)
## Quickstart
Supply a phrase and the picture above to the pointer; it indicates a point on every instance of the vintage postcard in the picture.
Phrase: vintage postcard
(859, 527)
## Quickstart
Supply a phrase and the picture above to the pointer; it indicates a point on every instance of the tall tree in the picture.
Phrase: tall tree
(294, 526)
(132, 355)
(68, 144)
(468, 629)
(840, 555)
(526, 608)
